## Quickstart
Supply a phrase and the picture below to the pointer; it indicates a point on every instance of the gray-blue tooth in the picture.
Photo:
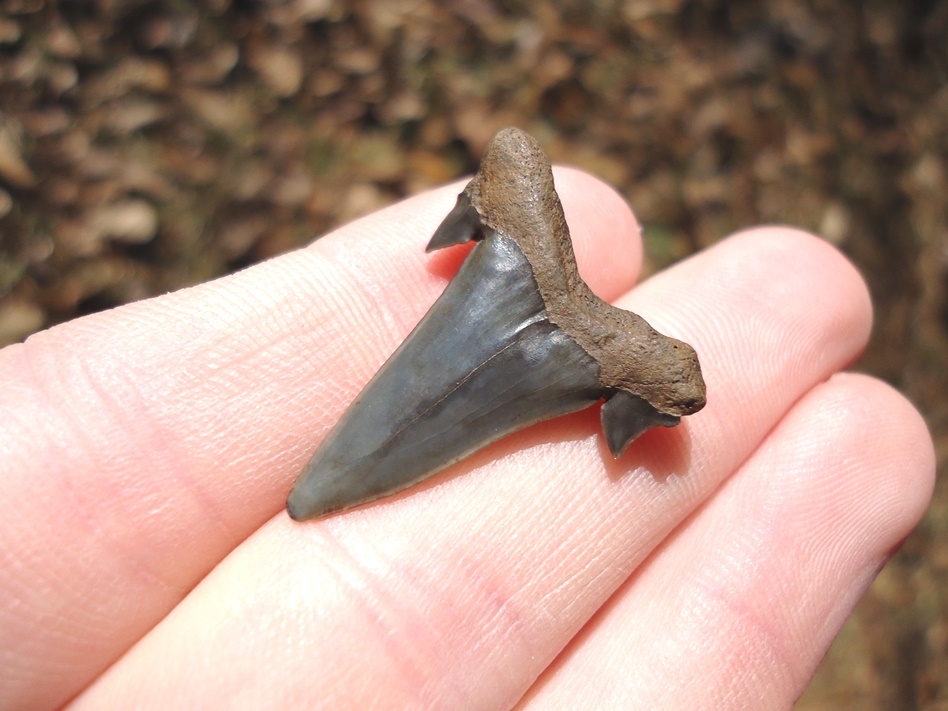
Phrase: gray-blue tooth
(515, 338)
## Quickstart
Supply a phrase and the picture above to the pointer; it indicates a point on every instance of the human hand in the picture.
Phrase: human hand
(147, 452)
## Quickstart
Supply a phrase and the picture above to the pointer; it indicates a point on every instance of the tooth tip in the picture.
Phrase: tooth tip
(625, 416)
(436, 244)
(296, 509)
(304, 505)
(444, 237)
(616, 449)
(461, 225)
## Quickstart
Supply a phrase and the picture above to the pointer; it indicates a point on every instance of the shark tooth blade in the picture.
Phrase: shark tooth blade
(482, 363)
(625, 416)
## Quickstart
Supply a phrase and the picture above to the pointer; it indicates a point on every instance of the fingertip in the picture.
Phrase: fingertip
(899, 441)
(865, 473)
(766, 273)
(796, 250)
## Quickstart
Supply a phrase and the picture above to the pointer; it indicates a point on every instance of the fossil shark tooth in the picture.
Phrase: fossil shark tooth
(516, 338)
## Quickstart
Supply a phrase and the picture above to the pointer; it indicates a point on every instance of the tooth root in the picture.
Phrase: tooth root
(484, 362)
(625, 416)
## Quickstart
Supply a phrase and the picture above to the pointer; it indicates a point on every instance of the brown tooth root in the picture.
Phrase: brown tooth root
(517, 337)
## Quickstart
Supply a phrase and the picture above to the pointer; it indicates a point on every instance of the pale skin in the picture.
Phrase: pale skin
(147, 452)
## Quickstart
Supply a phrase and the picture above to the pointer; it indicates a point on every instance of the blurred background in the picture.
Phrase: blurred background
(147, 146)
